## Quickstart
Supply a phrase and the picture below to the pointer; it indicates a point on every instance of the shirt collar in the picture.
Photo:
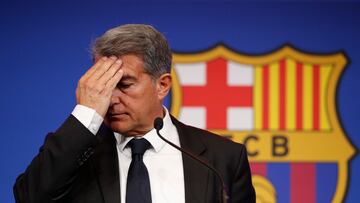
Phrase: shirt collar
(156, 142)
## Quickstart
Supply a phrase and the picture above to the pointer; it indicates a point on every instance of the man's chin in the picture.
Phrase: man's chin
(119, 127)
(124, 128)
(117, 123)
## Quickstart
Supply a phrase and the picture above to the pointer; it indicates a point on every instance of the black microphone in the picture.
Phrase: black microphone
(158, 125)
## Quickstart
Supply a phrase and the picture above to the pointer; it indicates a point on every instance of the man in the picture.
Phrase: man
(90, 157)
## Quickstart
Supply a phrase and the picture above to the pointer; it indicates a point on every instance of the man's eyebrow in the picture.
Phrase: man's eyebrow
(127, 77)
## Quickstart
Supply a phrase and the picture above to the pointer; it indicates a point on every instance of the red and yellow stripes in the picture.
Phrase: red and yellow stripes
(290, 95)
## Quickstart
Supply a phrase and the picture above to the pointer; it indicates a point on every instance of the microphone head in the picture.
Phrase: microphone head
(158, 123)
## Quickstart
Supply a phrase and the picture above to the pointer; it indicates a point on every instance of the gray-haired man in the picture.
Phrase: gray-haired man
(90, 158)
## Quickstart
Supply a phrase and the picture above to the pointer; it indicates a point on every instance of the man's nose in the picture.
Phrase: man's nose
(115, 97)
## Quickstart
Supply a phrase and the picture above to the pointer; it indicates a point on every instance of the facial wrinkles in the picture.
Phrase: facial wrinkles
(126, 98)
(138, 100)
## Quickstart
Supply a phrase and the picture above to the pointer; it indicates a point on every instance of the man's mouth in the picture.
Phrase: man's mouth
(117, 116)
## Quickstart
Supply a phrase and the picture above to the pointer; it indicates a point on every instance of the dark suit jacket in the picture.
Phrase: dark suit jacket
(75, 166)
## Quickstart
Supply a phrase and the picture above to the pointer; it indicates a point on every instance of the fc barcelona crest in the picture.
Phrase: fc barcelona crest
(282, 106)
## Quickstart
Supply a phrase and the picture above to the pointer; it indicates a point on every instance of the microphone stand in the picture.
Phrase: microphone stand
(158, 124)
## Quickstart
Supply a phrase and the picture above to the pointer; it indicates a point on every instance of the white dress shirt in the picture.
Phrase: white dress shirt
(163, 162)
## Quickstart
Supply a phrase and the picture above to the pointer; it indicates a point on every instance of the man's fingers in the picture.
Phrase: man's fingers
(103, 68)
(111, 84)
(110, 72)
(94, 67)
(97, 84)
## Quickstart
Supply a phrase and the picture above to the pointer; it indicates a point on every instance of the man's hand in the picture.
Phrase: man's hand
(95, 87)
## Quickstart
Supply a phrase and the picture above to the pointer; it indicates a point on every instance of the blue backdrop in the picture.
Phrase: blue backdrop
(45, 49)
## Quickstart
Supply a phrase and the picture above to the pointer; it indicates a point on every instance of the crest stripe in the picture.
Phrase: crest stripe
(279, 175)
(326, 179)
(274, 109)
(282, 90)
(308, 104)
(302, 182)
(258, 98)
(265, 97)
(290, 94)
(299, 95)
(325, 71)
(316, 96)
(259, 169)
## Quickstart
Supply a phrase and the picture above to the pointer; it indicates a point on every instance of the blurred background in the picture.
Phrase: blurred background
(45, 50)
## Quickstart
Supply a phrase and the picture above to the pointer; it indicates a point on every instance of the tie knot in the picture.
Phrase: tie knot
(139, 146)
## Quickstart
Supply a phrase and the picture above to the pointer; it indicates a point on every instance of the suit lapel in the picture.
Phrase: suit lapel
(106, 166)
(196, 176)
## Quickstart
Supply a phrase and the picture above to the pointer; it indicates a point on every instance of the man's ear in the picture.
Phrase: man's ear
(164, 85)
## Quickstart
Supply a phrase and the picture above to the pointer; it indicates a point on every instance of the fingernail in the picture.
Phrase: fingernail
(113, 57)
(118, 61)
(104, 58)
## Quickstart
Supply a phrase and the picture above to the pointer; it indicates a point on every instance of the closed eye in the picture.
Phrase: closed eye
(122, 85)
(126, 82)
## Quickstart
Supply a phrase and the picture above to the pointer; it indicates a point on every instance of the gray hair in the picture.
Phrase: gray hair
(142, 40)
